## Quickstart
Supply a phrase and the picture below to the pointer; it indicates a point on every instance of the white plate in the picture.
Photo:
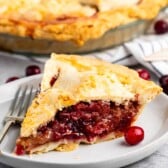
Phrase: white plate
(109, 154)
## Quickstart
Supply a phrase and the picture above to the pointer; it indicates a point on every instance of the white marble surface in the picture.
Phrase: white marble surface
(15, 66)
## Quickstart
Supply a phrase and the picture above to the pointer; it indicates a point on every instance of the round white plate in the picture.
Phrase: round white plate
(110, 154)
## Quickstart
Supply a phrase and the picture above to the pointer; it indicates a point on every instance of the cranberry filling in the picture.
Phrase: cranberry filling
(84, 122)
(53, 80)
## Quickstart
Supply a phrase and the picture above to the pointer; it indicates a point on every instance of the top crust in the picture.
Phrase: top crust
(83, 79)
(65, 20)
(104, 5)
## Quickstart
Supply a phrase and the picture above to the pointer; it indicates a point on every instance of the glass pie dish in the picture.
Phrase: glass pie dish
(64, 26)
(110, 39)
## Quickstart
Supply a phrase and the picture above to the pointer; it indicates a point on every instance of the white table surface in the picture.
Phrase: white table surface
(15, 66)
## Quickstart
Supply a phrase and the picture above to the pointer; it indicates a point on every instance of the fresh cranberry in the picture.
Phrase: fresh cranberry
(164, 83)
(161, 27)
(19, 150)
(134, 135)
(12, 79)
(33, 70)
(144, 74)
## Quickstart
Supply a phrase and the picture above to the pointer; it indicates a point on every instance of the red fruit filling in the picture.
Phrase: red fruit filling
(54, 78)
(84, 122)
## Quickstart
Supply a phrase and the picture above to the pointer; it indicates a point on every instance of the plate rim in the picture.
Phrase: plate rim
(142, 149)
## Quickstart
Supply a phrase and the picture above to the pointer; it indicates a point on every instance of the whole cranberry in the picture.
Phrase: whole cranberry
(161, 27)
(144, 74)
(32, 70)
(19, 150)
(164, 83)
(134, 135)
(13, 78)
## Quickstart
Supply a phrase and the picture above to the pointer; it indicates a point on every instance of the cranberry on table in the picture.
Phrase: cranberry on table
(32, 70)
(144, 74)
(164, 83)
(161, 27)
(134, 135)
(13, 78)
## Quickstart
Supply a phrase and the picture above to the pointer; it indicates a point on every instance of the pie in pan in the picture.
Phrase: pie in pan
(69, 23)
(82, 100)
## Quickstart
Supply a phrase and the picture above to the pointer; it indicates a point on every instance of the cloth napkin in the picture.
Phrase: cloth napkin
(144, 47)
(141, 49)
(138, 50)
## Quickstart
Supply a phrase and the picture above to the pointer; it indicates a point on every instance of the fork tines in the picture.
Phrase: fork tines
(18, 108)
(20, 103)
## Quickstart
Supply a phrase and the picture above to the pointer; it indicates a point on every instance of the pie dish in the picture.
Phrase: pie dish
(52, 24)
(82, 100)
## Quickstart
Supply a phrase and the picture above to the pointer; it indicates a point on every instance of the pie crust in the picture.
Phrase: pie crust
(77, 21)
(103, 98)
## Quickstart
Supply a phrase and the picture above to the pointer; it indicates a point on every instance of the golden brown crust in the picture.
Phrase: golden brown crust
(76, 26)
(83, 79)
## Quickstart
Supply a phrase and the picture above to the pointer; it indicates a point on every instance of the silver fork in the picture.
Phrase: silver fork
(17, 109)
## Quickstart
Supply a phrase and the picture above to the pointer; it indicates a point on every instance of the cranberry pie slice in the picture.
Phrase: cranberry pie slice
(82, 100)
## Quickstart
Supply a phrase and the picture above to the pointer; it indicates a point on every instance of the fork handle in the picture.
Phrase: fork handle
(5, 129)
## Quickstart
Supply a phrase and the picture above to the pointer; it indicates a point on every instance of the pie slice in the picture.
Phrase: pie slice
(82, 100)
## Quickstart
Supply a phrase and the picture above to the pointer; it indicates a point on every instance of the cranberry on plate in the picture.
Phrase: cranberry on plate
(161, 27)
(13, 78)
(19, 150)
(164, 83)
(134, 135)
(144, 74)
(32, 70)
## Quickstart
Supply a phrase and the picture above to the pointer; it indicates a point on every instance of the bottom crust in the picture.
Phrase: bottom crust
(65, 146)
